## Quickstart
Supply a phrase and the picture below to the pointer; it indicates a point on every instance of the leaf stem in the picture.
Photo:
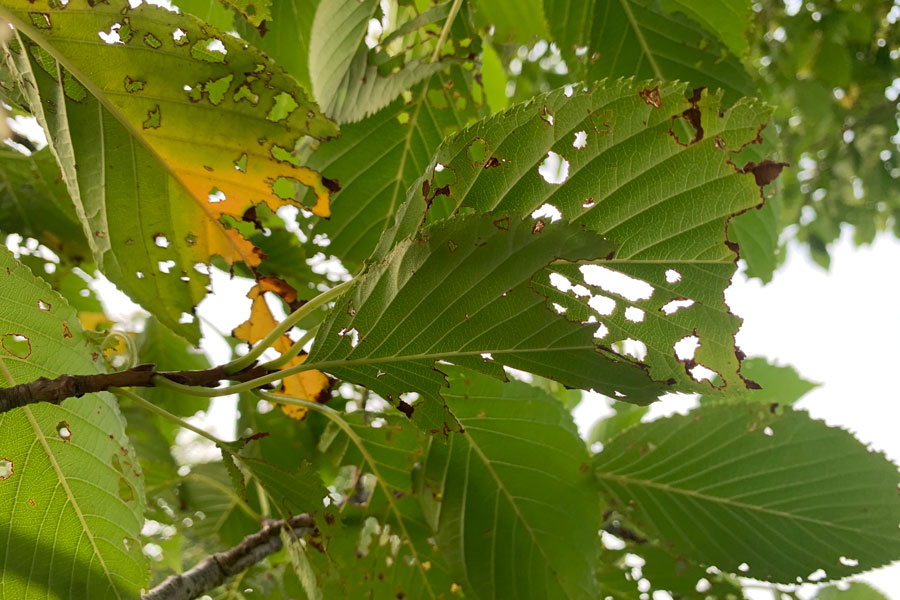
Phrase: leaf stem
(241, 363)
(295, 349)
(445, 31)
(166, 414)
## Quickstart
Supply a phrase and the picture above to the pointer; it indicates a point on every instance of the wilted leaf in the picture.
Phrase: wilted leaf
(516, 495)
(126, 113)
(71, 492)
(769, 494)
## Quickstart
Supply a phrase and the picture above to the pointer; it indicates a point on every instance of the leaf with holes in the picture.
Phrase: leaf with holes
(71, 492)
(648, 38)
(619, 170)
(461, 292)
(769, 494)
(516, 493)
(383, 550)
(377, 159)
(104, 83)
(778, 384)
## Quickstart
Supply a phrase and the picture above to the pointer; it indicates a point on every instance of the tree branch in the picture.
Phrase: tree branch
(56, 390)
(215, 570)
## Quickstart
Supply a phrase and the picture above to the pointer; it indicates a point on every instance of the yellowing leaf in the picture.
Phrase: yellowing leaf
(153, 156)
(308, 385)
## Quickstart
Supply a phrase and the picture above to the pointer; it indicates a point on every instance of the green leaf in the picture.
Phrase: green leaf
(141, 187)
(625, 416)
(208, 489)
(767, 494)
(157, 345)
(781, 385)
(664, 203)
(461, 292)
(286, 36)
(516, 495)
(638, 38)
(377, 159)
(514, 21)
(384, 547)
(349, 80)
(34, 203)
(493, 79)
(293, 491)
(71, 495)
(857, 590)
(726, 19)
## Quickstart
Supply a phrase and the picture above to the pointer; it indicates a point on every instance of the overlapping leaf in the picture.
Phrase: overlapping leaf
(383, 550)
(517, 516)
(640, 38)
(662, 201)
(377, 159)
(460, 292)
(770, 494)
(71, 493)
(352, 81)
(142, 146)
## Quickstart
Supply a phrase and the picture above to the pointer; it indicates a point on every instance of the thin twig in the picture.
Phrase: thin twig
(56, 390)
(213, 571)
(445, 31)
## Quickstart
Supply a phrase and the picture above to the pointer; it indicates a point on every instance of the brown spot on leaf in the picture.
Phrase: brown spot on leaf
(31, 502)
(67, 333)
(651, 97)
(765, 171)
(45, 306)
(502, 224)
(452, 246)
(126, 493)
(405, 408)
(493, 162)
(538, 226)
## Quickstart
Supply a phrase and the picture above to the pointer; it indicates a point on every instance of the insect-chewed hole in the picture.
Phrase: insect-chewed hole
(617, 283)
(554, 169)
(672, 276)
(686, 347)
(580, 140)
(547, 211)
(64, 431)
(6, 469)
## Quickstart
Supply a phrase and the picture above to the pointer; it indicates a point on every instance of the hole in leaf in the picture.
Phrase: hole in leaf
(616, 283)
(165, 266)
(675, 305)
(848, 562)
(139, 275)
(133, 85)
(817, 575)
(241, 163)
(6, 469)
(487, 356)
(186, 317)
(686, 347)
(743, 567)
(63, 430)
(152, 41)
(40, 20)
(477, 151)
(768, 431)
(443, 176)
(283, 107)
(154, 118)
(588, 203)
(631, 347)
(111, 36)
(634, 314)
(672, 276)
(212, 51)
(45, 306)
(559, 308)
(702, 373)
(703, 585)
(179, 36)
(125, 491)
(547, 116)
(216, 196)
(160, 240)
(547, 211)
(580, 140)
(554, 169)
(603, 305)
(17, 344)
(353, 333)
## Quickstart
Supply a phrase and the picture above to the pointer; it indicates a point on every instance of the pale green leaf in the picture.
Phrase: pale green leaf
(514, 21)
(624, 38)
(518, 514)
(71, 493)
(728, 20)
(767, 494)
(664, 204)
(461, 292)
(779, 384)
